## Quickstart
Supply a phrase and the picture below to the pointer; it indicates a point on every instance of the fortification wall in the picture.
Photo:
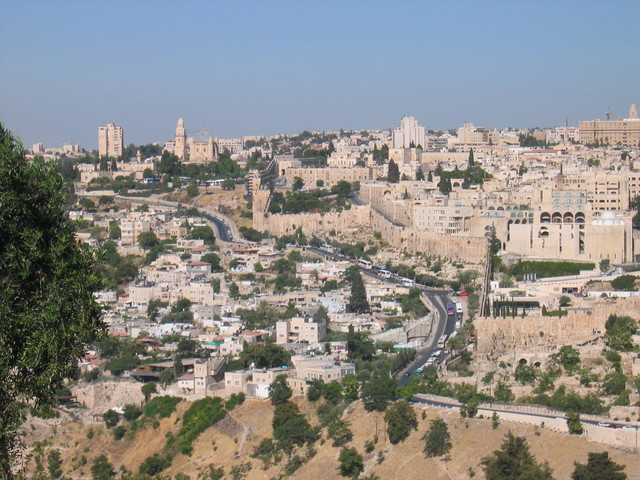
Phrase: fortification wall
(105, 395)
(498, 335)
(465, 249)
(357, 217)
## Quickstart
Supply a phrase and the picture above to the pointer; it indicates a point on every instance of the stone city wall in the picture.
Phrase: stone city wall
(105, 395)
(497, 335)
(465, 249)
(357, 217)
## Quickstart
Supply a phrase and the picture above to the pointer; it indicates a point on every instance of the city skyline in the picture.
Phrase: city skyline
(256, 69)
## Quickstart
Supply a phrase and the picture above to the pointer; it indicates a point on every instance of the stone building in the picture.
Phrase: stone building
(625, 132)
(110, 141)
(188, 149)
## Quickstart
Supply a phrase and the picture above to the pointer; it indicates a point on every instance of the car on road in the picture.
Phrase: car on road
(604, 424)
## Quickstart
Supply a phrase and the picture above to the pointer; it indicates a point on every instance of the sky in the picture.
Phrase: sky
(240, 68)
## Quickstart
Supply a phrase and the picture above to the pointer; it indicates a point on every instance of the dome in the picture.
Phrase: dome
(608, 219)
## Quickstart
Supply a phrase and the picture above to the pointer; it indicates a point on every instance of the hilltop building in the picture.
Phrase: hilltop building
(625, 132)
(110, 141)
(409, 134)
(188, 149)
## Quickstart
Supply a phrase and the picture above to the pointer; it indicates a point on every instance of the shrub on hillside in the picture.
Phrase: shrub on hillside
(161, 407)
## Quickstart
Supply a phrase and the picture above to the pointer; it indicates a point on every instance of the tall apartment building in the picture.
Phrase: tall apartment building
(625, 132)
(110, 141)
(410, 134)
(473, 136)
(234, 145)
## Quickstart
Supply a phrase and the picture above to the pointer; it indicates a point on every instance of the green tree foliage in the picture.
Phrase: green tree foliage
(201, 415)
(119, 432)
(54, 461)
(148, 240)
(444, 185)
(599, 467)
(47, 280)
(189, 348)
(102, 469)
(279, 390)
(619, 331)
(574, 423)
(131, 412)
(290, 427)
(87, 204)
(342, 189)
(503, 393)
(160, 407)
(378, 391)
(393, 174)
(181, 305)
(210, 472)
(297, 184)
(214, 260)
(471, 160)
(234, 290)
(229, 184)
(332, 392)
(149, 389)
(569, 358)
(411, 303)
(265, 356)
(400, 418)
(155, 464)
(528, 140)
(350, 463)
(625, 283)
(203, 233)
(514, 462)
(565, 301)
(550, 269)
(192, 190)
(358, 298)
(340, 433)
(525, 374)
(111, 418)
(351, 387)
(614, 383)
(359, 345)
(114, 230)
(264, 316)
(169, 164)
(437, 441)
(167, 376)
(315, 390)
(252, 234)
(569, 400)
(122, 363)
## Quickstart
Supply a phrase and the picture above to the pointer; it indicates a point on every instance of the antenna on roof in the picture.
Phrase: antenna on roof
(608, 113)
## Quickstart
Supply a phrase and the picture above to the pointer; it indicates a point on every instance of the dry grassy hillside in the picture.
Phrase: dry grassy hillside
(231, 441)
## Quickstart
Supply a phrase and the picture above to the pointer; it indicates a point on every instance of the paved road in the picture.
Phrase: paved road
(226, 230)
(442, 324)
(454, 404)
(438, 298)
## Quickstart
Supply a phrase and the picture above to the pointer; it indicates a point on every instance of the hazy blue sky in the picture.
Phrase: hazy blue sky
(264, 67)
